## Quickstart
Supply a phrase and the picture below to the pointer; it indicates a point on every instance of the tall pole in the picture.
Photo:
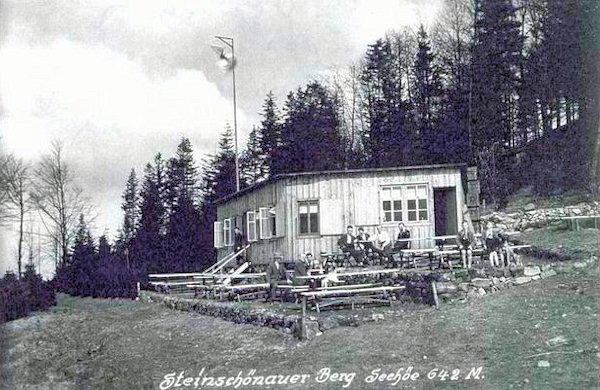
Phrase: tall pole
(229, 42)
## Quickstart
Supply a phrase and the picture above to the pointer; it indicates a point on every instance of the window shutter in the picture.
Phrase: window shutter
(263, 213)
(251, 226)
(280, 219)
(331, 218)
(366, 205)
(218, 234)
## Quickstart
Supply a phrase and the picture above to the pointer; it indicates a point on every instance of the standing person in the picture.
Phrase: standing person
(348, 245)
(238, 243)
(466, 240)
(275, 272)
(382, 244)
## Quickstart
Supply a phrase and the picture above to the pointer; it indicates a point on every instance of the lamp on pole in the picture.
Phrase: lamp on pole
(231, 65)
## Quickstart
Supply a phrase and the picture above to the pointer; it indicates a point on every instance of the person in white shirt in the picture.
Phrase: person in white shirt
(382, 244)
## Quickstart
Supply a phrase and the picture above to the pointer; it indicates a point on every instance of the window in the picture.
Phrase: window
(263, 221)
(251, 225)
(227, 232)
(391, 198)
(416, 203)
(272, 222)
(308, 214)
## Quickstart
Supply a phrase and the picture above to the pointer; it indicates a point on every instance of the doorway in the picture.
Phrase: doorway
(446, 222)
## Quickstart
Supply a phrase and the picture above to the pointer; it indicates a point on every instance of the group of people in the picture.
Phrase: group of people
(494, 243)
(360, 245)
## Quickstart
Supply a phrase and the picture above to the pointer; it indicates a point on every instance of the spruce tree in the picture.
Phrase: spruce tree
(130, 207)
(269, 135)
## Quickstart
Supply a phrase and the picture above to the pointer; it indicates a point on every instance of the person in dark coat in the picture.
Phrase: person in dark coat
(347, 244)
(275, 273)
(301, 269)
(238, 243)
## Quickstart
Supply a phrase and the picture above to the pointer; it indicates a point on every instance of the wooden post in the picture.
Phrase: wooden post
(303, 308)
(435, 296)
(138, 289)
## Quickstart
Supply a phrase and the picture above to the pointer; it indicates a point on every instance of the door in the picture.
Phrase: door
(445, 211)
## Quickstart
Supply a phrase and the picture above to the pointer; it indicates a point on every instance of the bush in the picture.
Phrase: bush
(20, 297)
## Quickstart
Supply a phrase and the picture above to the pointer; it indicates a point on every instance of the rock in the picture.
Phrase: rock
(579, 264)
(446, 287)
(544, 363)
(522, 280)
(481, 291)
(548, 273)
(495, 281)
(502, 279)
(476, 273)
(328, 323)
(535, 277)
(532, 270)
(310, 330)
(556, 341)
(546, 267)
(481, 283)
(463, 287)
(529, 207)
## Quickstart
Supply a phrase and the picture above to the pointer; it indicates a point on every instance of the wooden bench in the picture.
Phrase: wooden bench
(574, 220)
(348, 295)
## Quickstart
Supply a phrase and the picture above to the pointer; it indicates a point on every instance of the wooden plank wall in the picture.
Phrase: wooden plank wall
(339, 186)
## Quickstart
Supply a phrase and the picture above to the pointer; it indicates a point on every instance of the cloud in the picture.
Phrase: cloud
(111, 114)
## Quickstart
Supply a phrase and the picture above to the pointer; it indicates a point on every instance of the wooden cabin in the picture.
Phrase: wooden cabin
(291, 214)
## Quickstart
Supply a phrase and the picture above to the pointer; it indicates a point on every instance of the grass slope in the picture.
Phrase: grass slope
(91, 343)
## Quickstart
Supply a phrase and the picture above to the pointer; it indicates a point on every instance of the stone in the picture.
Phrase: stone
(481, 283)
(546, 267)
(463, 287)
(529, 207)
(446, 287)
(328, 323)
(495, 281)
(558, 340)
(481, 291)
(310, 330)
(502, 279)
(535, 277)
(579, 264)
(548, 273)
(544, 363)
(531, 270)
(522, 280)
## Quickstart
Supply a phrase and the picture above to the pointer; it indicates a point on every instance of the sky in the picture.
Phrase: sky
(119, 81)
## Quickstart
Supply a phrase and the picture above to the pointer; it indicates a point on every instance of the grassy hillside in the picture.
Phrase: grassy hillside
(541, 335)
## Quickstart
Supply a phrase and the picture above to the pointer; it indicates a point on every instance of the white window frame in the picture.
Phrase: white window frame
(227, 241)
(393, 189)
(272, 222)
(309, 203)
(251, 226)
(417, 199)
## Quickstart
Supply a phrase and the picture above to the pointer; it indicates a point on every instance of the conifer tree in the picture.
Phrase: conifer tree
(130, 207)
(269, 135)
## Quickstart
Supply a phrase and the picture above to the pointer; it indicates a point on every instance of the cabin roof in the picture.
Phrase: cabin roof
(332, 172)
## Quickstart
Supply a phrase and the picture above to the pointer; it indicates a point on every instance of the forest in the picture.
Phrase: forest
(505, 85)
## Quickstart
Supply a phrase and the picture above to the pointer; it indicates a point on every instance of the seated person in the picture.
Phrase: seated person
(275, 273)
(493, 245)
(315, 266)
(382, 244)
(301, 269)
(402, 242)
(347, 244)
(466, 241)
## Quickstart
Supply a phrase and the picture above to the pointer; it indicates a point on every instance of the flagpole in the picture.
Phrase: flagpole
(235, 137)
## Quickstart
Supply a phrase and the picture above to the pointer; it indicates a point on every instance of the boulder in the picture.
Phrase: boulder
(481, 282)
(481, 291)
(310, 329)
(529, 207)
(532, 270)
(522, 280)
(548, 273)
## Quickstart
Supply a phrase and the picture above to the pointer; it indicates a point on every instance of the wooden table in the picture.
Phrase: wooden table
(412, 253)
(345, 295)
(574, 220)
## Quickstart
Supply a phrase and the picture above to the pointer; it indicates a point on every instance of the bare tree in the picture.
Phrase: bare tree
(58, 199)
(17, 180)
